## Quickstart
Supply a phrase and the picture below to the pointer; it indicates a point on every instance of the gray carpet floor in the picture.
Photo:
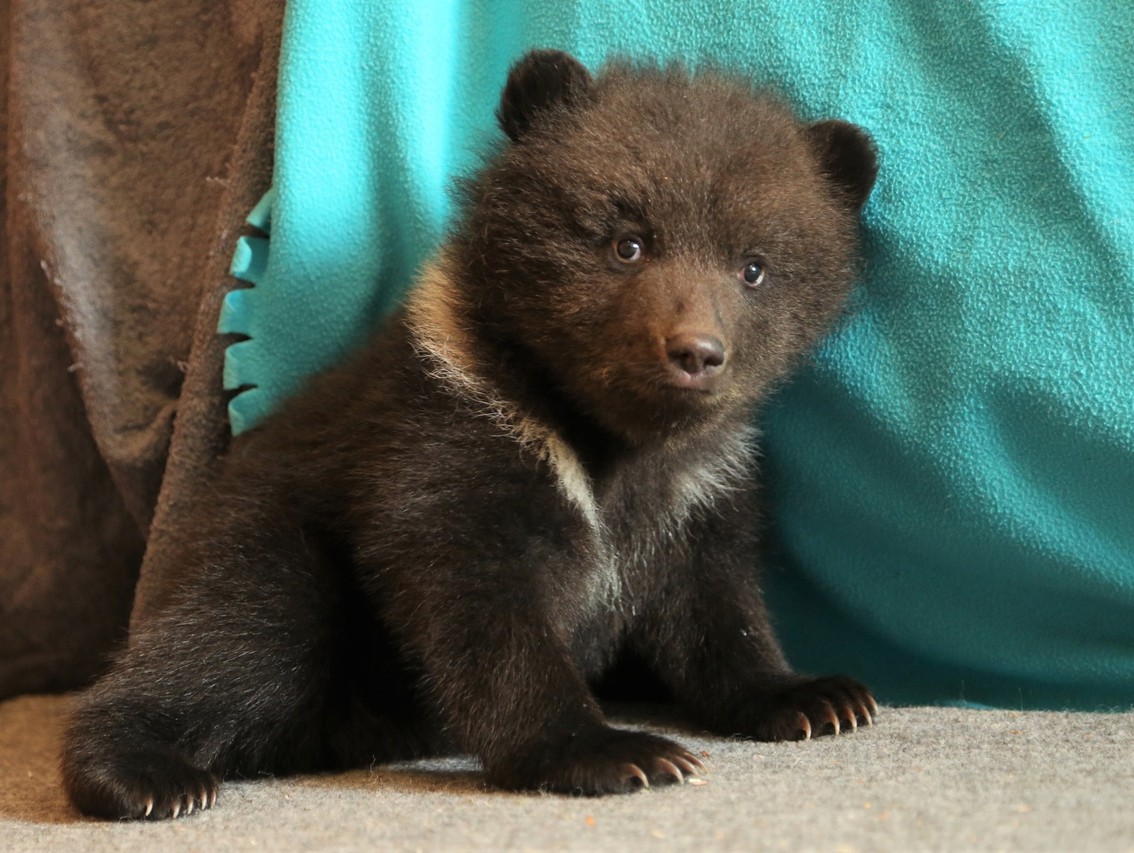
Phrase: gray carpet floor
(921, 779)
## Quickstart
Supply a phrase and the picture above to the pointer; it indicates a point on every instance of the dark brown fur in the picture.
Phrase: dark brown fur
(541, 463)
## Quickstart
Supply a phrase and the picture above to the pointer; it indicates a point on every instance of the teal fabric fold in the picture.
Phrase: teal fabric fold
(952, 479)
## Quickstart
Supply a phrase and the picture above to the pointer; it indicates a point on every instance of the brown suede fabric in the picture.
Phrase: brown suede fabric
(137, 136)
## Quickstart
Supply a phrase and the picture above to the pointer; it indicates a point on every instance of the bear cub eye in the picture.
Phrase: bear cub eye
(628, 250)
(753, 273)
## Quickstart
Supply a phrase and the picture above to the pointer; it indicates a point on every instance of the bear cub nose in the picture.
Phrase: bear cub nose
(697, 357)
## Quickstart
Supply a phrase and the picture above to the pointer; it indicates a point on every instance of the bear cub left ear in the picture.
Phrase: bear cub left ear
(848, 157)
(540, 80)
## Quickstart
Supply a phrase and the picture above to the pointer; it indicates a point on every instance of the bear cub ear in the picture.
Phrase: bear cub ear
(848, 157)
(540, 80)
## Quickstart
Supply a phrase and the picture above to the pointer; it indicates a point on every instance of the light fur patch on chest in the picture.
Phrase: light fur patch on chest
(441, 336)
(725, 468)
(706, 481)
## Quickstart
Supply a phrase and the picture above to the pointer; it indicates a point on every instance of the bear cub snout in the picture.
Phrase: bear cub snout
(697, 358)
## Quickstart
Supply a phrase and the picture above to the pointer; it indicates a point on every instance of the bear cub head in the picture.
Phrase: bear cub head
(652, 247)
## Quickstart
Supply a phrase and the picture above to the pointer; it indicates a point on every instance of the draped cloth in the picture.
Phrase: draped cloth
(951, 481)
(138, 135)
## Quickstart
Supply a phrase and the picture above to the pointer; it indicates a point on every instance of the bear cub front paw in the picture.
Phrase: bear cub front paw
(808, 708)
(598, 761)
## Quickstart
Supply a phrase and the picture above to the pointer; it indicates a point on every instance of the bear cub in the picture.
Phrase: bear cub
(540, 466)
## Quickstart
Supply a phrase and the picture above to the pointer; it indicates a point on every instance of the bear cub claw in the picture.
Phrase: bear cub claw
(145, 787)
(812, 707)
(607, 761)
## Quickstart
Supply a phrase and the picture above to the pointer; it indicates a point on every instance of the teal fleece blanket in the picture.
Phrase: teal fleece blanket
(952, 480)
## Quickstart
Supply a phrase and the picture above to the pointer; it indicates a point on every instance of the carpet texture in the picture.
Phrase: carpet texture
(921, 779)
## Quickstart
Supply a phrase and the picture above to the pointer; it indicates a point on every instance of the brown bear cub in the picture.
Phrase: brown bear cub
(540, 466)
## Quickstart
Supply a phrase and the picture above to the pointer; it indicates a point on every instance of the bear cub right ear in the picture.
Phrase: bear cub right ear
(849, 158)
(540, 80)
